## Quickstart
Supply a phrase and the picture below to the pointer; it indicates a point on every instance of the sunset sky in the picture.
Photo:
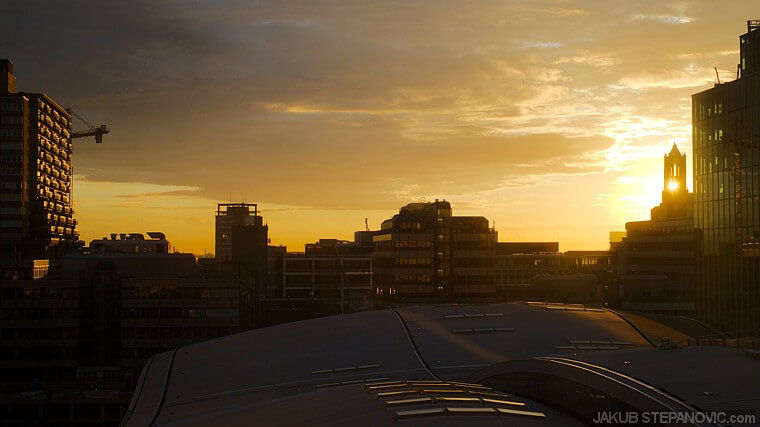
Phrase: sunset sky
(548, 117)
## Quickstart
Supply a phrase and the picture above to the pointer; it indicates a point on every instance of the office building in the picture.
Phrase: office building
(79, 338)
(242, 239)
(36, 215)
(538, 271)
(725, 138)
(331, 269)
(424, 251)
(229, 215)
(132, 243)
(518, 263)
(656, 258)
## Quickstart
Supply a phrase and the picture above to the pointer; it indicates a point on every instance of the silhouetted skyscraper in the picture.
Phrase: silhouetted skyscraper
(229, 215)
(36, 217)
(242, 239)
(726, 135)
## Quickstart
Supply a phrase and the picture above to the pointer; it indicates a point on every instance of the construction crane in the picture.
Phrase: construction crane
(97, 132)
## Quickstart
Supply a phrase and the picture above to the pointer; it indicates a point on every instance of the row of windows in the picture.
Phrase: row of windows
(469, 244)
(38, 292)
(726, 185)
(711, 160)
(140, 292)
(12, 132)
(703, 111)
(422, 278)
(474, 279)
(178, 313)
(15, 119)
(322, 280)
(11, 106)
(12, 145)
(38, 333)
(403, 244)
(177, 332)
(659, 232)
(38, 313)
(11, 158)
(660, 260)
(410, 226)
(728, 213)
(474, 262)
(38, 353)
(523, 276)
(660, 246)
(10, 171)
(723, 241)
(703, 137)
(414, 261)
(525, 260)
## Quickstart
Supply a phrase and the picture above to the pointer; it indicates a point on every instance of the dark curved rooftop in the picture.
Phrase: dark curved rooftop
(338, 370)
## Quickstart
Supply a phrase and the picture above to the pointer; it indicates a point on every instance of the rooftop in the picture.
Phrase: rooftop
(434, 365)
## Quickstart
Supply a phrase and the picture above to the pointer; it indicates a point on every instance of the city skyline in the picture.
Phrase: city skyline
(507, 121)
(338, 213)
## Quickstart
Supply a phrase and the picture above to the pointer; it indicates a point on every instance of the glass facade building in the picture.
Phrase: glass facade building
(726, 133)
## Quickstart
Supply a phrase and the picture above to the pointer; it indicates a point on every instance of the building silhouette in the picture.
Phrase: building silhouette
(726, 134)
(330, 269)
(424, 251)
(36, 215)
(538, 271)
(74, 342)
(242, 238)
(229, 215)
(656, 258)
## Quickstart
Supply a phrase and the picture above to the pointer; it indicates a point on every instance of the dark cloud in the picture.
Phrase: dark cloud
(360, 104)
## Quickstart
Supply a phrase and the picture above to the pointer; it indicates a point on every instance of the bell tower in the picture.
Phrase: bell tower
(674, 177)
(676, 200)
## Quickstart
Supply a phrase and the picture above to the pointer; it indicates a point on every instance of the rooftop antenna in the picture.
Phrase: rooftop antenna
(716, 74)
(366, 225)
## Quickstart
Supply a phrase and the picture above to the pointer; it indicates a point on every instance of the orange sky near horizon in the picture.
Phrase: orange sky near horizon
(548, 117)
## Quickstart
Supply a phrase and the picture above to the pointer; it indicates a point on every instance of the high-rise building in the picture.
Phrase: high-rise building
(229, 215)
(656, 258)
(36, 217)
(242, 239)
(726, 134)
(424, 251)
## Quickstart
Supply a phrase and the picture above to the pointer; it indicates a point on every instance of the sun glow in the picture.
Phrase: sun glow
(673, 185)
